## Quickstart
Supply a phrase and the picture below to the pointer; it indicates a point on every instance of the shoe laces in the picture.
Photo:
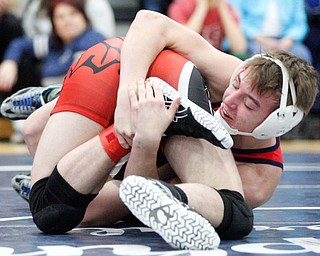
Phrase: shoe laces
(27, 102)
(25, 189)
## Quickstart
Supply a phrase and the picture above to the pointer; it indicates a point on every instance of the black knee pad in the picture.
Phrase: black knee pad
(56, 207)
(58, 218)
(238, 216)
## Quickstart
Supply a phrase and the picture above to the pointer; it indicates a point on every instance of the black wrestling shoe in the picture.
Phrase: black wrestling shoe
(179, 225)
(25, 101)
(193, 121)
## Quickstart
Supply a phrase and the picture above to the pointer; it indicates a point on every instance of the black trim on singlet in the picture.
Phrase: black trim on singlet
(259, 150)
(260, 159)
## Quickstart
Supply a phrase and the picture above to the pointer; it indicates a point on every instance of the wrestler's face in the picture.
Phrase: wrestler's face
(244, 108)
(68, 22)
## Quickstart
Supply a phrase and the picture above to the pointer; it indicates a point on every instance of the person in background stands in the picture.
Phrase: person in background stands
(36, 21)
(72, 34)
(274, 25)
(216, 20)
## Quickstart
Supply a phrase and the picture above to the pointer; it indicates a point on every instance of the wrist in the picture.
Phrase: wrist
(146, 144)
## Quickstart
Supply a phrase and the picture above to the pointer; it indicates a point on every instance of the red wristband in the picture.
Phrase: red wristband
(111, 144)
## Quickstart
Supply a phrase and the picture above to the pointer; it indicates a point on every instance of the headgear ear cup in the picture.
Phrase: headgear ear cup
(282, 119)
(278, 123)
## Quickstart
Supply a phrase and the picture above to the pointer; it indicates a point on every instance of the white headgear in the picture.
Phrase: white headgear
(279, 121)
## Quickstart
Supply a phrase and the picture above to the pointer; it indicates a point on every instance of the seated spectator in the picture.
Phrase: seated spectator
(71, 36)
(10, 28)
(313, 40)
(35, 19)
(215, 20)
(274, 25)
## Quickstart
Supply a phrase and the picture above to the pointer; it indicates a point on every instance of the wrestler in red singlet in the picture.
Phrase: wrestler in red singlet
(91, 84)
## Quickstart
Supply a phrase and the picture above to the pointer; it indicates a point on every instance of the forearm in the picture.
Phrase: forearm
(18, 48)
(148, 35)
(143, 42)
(143, 158)
(141, 46)
(152, 32)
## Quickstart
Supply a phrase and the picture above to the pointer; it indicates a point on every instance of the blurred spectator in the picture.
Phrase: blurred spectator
(156, 5)
(16, 7)
(274, 24)
(215, 20)
(313, 40)
(10, 27)
(72, 34)
(35, 19)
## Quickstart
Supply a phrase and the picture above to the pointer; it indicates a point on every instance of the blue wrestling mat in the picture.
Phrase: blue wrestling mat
(289, 224)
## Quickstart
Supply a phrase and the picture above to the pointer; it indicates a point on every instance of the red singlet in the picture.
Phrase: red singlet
(91, 84)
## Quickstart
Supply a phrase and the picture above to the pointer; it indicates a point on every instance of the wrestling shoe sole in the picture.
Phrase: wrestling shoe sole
(176, 223)
(201, 116)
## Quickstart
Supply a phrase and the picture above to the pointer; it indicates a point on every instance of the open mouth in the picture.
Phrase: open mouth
(226, 114)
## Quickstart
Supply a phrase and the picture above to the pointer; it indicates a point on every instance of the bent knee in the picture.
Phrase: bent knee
(58, 218)
(257, 197)
(238, 216)
(56, 207)
(31, 131)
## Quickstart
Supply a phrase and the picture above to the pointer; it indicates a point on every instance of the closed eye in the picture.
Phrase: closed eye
(236, 82)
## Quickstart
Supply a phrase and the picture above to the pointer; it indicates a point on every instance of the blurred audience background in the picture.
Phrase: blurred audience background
(216, 20)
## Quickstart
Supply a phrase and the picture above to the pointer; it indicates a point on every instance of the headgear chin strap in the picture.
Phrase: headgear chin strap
(279, 121)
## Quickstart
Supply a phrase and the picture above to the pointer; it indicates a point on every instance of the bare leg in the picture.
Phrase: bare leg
(204, 168)
(71, 141)
(106, 208)
(34, 126)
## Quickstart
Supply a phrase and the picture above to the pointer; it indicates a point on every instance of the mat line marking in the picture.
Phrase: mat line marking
(15, 218)
(14, 168)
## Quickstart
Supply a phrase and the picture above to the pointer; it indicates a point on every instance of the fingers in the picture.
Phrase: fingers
(125, 142)
(174, 107)
(141, 89)
(157, 90)
(158, 93)
(124, 139)
(132, 96)
(149, 90)
(144, 91)
(148, 98)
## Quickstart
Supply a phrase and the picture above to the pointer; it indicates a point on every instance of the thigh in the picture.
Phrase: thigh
(63, 132)
(198, 161)
(35, 124)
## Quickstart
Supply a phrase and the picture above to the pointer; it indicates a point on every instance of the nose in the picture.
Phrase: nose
(232, 99)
